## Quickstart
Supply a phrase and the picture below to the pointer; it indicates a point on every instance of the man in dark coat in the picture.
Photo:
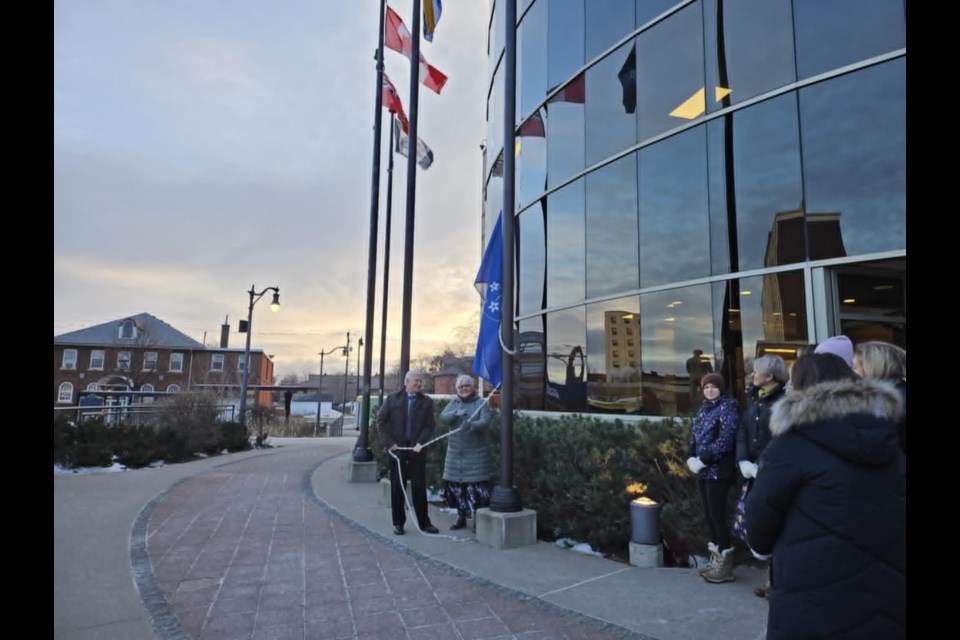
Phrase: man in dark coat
(406, 420)
(829, 503)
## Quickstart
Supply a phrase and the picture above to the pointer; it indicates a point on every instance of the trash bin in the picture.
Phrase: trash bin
(645, 521)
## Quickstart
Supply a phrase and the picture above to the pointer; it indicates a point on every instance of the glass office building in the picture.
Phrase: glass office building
(697, 183)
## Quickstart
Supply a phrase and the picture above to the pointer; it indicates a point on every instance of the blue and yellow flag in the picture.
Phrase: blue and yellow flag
(486, 362)
(431, 16)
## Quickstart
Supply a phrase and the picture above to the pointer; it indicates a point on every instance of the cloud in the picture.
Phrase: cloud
(198, 151)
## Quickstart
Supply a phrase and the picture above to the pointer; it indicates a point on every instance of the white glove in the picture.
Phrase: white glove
(695, 464)
(460, 412)
(748, 469)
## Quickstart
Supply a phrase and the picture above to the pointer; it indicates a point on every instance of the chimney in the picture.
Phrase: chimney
(225, 333)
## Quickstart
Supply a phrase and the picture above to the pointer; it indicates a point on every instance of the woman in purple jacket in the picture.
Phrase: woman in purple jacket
(711, 458)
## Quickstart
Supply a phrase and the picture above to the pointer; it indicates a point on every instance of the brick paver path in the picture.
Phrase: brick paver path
(245, 552)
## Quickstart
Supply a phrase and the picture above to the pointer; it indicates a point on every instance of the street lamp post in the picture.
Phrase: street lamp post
(359, 351)
(320, 384)
(274, 306)
(346, 375)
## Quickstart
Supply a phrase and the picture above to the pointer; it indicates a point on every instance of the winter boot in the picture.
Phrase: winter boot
(461, 521)
(723, 570)
(714, 559)
(762, 592)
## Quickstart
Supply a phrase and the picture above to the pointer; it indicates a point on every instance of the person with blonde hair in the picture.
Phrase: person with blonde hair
(877, 360)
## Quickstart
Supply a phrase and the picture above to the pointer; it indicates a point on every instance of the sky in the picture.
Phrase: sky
(205, 146)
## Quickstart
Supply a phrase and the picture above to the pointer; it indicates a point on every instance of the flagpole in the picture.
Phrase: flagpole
(386, 260)
(411, 190)
(361, 451)
(505, 497)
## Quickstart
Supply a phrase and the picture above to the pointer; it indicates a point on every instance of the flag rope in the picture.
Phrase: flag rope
(403, 484)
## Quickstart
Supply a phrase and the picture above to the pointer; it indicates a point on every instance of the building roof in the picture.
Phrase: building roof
(160, 334)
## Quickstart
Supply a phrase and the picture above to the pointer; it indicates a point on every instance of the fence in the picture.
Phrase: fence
(132, 415)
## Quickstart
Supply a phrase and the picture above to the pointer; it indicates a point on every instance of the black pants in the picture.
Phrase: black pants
(413, 466)
(713, 495)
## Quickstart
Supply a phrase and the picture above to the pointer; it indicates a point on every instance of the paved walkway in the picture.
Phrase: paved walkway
(276, 544)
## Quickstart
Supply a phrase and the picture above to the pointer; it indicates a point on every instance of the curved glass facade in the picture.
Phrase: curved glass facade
(698, 183)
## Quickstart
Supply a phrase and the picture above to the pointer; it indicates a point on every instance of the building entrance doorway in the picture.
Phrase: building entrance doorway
(871, 301)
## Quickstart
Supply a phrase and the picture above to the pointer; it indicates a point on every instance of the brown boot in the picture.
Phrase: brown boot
(723, 571)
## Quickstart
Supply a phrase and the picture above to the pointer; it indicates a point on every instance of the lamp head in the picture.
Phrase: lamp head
(275, 305)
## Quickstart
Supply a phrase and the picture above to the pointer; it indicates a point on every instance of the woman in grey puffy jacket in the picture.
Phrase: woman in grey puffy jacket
(467, 468)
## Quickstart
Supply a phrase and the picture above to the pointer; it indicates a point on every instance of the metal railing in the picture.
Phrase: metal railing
(131, 415)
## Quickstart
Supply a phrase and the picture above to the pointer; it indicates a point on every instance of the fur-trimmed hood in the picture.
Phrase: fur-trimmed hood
(855, 419)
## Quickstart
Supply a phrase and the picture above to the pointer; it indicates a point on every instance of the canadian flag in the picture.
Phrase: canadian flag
(396, 37)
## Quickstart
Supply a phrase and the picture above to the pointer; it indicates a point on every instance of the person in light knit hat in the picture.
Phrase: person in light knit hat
(838, 346)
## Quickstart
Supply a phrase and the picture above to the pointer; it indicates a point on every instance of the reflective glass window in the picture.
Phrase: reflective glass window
(855, 189)
(674, 223)
(530, 258)
(606, 22)
(673, 324)
(754, 156)
(530, 147)
(647, 10)
(495, 113)
(611, 123)
(613, 356)
(756, 315)
(565, 131)
(532, 59)
(566, 365)
(611, 228)
(749, 49)
(496, 41)
(531, 375)
(564, 40)
(493, 196)
(832, 34)
(669, 73)
(565, 245)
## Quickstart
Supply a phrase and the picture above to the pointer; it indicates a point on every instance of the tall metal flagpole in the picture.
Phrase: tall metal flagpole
(361, 451)
(411, 191)
(505, 497)
(386, 262)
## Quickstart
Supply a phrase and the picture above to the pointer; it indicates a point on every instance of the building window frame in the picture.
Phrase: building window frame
(98, 358)
(176, 362)
(69, 359)
(123, 360)
(150, 361)
(65, 393)
(217, 362)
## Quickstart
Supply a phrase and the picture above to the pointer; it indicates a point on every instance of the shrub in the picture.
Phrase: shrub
(93, 447)
(64, 439)
(135, 447)
(234, 437)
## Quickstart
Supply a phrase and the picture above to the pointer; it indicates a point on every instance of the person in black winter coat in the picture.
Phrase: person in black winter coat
(769, 381)
(829, 504)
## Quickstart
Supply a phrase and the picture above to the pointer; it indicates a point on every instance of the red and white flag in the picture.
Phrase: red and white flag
(396, 37)
(391, 100)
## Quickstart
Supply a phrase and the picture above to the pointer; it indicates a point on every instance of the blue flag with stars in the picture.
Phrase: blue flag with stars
(489, 282)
